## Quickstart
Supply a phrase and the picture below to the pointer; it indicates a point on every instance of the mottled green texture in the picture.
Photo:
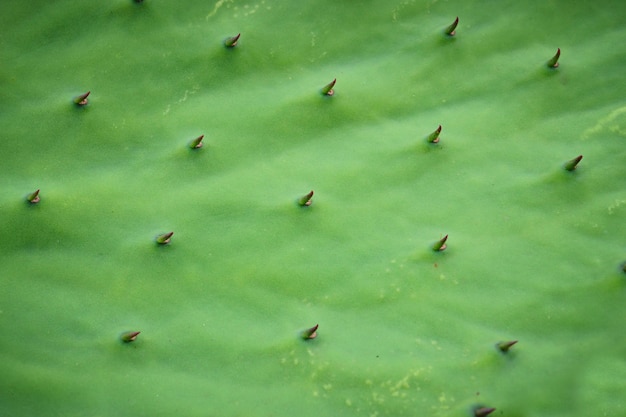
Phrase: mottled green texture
(534, 252)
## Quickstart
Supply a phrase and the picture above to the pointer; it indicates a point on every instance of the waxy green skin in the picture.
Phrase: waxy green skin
(534, 251)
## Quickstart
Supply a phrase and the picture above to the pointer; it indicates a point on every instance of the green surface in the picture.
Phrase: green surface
(533, 254)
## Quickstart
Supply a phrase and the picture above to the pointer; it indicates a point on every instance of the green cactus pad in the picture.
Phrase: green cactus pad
(535, 252)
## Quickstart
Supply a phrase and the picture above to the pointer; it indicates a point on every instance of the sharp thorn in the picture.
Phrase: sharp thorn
(310, 333)
(33, 197)
(554, 61)
(232, 41)
(434, 137)
(327, 90)
(440, 245)
(196, 143)
(506, 345)
(306, 200)
(483, 411)
(451, 30)
(165, 238)
(128, 337)
(573, 163)
(82, 99)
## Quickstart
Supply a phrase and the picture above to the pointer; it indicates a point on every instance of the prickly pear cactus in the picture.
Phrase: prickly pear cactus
(272, 208)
